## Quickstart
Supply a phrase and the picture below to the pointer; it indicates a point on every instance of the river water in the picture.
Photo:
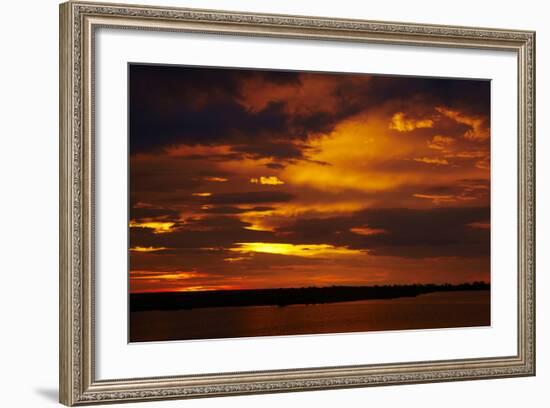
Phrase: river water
(433, 310)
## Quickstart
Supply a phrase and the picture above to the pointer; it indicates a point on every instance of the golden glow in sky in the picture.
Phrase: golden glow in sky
(147, 249)
(295, 250)
(158, 227)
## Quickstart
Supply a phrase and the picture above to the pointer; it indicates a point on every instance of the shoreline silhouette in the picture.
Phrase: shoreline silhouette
(287, 296)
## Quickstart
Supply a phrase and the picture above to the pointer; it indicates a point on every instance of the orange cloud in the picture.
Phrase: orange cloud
(201, 194)
(143, 205)
(203, 288)
(158, 227)
(198, 150)
(216, 179)
(484, 164)
(402, 123)
(312, 93)
(440, 142)
(467, 192)
(480, 225)
(270, 180)
(353, 150)
(285, 212)
(165, 275)
(360, 153)
(471, 154)
(147, 249)
(432, 160)
(478, 131)
(436, 198)
(236, 259)
(367, 231)
(173, 281)
(259, 227)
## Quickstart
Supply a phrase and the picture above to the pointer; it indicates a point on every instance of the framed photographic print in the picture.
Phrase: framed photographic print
(261, 203)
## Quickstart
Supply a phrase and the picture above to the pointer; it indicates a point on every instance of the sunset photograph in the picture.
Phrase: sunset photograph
(269, 203)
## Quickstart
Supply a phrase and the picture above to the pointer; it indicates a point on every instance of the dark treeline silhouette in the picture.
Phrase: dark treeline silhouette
(286, 296)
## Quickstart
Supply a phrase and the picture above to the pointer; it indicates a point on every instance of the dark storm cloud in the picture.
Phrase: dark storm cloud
(400, 232)
(162, 175)
(235, 210)
(281, 149)
(470, 96)
(276, 166)
(251, 197)
(216, 223)
(172, 105)
(147, 212)
(211, 124)
(176, 259)
(168, 88)
(440, 190)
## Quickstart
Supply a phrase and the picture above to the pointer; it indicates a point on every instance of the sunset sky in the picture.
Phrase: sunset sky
(243, 179)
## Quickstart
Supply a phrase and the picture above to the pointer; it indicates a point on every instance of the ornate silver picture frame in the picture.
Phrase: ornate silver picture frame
(79, 22)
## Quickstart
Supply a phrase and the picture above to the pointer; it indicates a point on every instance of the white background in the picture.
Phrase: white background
(117, 359)
(28, 169)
